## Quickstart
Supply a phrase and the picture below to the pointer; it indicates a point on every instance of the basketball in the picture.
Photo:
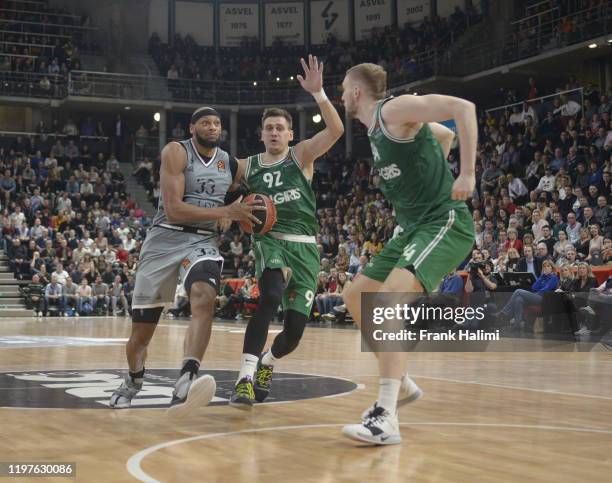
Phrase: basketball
(267, 217)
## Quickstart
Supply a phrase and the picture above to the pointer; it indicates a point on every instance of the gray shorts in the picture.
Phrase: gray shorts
(166, 257)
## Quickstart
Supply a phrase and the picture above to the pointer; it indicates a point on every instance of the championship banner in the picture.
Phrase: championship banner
(284, 21)
(329, 17)
(238, 20)
(412, 11)
(369, 15)
(197, 20)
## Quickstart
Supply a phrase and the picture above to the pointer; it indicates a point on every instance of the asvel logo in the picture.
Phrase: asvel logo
(390, 172)
(371, 3)
(92, 389)
(238, 11)
(283, 10)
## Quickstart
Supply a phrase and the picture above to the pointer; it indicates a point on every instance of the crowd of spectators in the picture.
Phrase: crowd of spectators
(39, 46)
(398, 49)
(554, 24)
(67, 223)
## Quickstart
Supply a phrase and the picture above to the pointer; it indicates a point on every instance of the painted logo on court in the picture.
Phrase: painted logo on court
(92, 389)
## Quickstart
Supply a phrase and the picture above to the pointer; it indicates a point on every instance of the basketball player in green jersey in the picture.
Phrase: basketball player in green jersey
(287, 258)
(430, 208)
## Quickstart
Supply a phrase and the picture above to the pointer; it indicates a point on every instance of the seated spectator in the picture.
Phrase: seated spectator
(35, 296)
(566, 279)
(326, 302)
(248, 293)
(85, 302)
(513, 260)
(583, 245)
(71, 297)
(568, 258)
(54, 298)
(99, 292)
(547, 239)
(513, 241)
(547, 282)
(573, 229)
(60, 274)
(561, 246)
(595, 245)
(117, 295)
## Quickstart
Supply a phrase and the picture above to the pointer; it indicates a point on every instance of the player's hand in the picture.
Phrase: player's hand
(312, 81)
(224, 224)
(463, 187)
(238, 211)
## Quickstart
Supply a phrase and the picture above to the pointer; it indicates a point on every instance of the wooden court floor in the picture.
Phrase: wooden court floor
(485, 417)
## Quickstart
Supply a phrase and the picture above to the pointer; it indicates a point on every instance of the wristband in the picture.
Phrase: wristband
(320, 96)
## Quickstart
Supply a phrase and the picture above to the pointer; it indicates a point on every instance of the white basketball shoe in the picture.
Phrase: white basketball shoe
(380, 428)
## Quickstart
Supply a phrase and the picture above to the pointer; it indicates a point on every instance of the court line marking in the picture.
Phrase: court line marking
(128, 410)
(133, 464)
(506, 386)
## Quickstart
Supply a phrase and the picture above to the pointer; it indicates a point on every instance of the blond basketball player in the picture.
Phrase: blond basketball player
(409, 150)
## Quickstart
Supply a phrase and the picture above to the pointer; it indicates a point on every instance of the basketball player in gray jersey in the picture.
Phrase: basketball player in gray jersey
(195, 177)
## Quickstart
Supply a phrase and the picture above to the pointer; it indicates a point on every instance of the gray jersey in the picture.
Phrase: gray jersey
(168, 255)
(206, 182)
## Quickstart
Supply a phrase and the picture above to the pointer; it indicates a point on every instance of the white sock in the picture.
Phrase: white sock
(268, 358)
(388, 390)
(408, 385)
(248, 364)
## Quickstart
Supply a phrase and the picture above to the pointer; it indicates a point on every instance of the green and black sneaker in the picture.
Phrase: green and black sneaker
(243, 395)
(263, 381)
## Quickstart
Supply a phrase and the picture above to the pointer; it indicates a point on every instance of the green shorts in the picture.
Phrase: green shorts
(301, 258)
(431, 250)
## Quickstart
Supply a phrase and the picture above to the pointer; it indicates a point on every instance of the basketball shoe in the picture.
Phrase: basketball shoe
(409, 392)
(191, 392)
(243, 395)
(123, 395)
(380, 427)
(263, 381)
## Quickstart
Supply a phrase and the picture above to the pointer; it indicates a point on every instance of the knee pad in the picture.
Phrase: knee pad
(207, 271)
(271, 287)
(149, 316)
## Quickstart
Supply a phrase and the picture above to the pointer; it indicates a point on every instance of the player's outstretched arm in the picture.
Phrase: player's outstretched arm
(436, 108)
(172, 184)
(312, 81)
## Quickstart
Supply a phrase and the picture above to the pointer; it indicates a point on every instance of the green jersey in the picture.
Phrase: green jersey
(414, 176)
(290, 191)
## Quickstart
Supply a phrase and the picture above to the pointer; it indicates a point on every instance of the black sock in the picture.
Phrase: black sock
(190, 365)
(137, 375)
(271, 290)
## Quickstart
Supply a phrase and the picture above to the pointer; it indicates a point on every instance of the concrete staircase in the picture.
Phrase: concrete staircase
(11, 302)
(136, 190)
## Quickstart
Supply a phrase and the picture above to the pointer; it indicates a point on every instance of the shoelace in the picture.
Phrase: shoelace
(245, 389)
(264, 375)
(375, 416)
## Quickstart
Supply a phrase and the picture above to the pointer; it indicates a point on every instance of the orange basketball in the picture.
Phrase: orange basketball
(267, 217)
